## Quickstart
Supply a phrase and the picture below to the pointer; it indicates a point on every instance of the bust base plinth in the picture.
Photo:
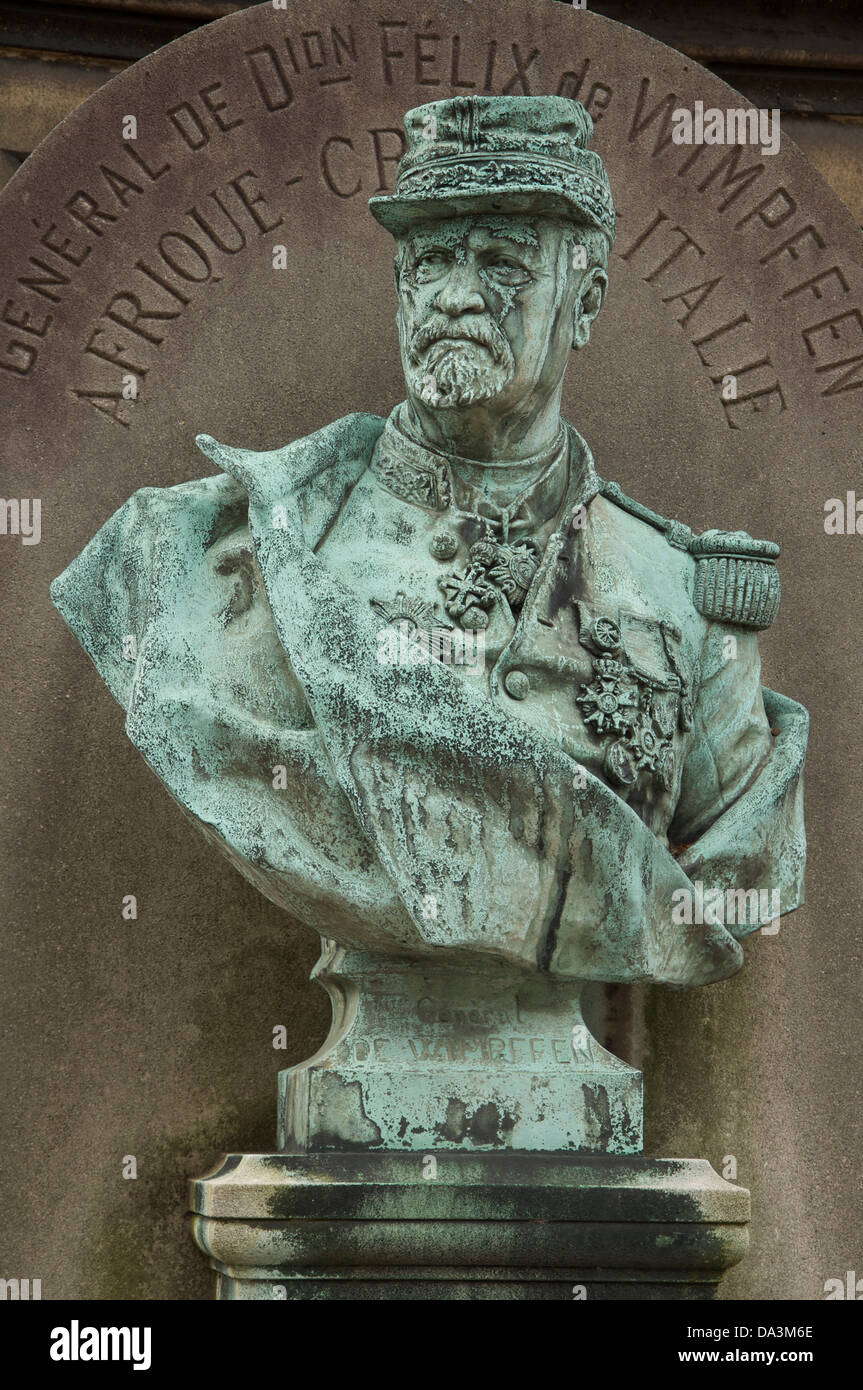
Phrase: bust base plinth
(487, 1226)
(455, 1056)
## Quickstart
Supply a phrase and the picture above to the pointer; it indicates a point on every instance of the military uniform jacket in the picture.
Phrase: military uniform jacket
(552, 807)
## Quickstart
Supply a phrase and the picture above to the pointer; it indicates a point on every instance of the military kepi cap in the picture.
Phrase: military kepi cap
(481, 154)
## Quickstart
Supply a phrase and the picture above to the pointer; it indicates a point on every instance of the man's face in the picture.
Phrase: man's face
(487, 308)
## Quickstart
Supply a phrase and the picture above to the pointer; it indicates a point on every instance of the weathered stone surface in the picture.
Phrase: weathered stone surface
(502, 1226)
(422, 1057)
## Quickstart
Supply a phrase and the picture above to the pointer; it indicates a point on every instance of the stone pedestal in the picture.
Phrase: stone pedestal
(462, 1055)
(467, 1226)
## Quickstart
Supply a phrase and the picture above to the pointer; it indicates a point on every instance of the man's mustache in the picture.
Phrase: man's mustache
(481, 331)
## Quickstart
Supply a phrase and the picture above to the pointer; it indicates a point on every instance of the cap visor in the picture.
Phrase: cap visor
(400, 215)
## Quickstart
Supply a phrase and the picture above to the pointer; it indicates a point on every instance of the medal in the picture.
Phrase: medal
(496, 568)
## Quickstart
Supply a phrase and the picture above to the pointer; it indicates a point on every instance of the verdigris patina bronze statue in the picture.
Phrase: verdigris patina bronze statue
(488, 725)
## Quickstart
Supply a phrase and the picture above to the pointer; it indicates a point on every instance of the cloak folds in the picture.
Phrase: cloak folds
(387, 806)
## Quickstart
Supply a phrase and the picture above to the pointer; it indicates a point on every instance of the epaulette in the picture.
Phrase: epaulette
(736, 579)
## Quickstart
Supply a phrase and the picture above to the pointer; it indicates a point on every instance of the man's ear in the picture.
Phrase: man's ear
(588, 302)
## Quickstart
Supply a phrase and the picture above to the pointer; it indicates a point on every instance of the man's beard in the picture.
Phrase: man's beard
(473, 365)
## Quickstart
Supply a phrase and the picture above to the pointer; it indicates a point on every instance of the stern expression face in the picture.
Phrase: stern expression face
(490, 309)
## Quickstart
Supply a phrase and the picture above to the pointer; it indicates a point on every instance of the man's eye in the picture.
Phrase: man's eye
(430, 260)
(504, 268)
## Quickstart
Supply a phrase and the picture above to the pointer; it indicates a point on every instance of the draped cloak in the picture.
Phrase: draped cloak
(355, 793)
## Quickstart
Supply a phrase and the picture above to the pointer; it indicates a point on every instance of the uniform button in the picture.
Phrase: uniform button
(516, 684)
(443, 545)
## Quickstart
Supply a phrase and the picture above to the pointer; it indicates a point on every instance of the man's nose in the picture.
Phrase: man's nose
(460, 293)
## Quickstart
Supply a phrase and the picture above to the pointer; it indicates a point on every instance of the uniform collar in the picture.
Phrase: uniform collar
(417, 473)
